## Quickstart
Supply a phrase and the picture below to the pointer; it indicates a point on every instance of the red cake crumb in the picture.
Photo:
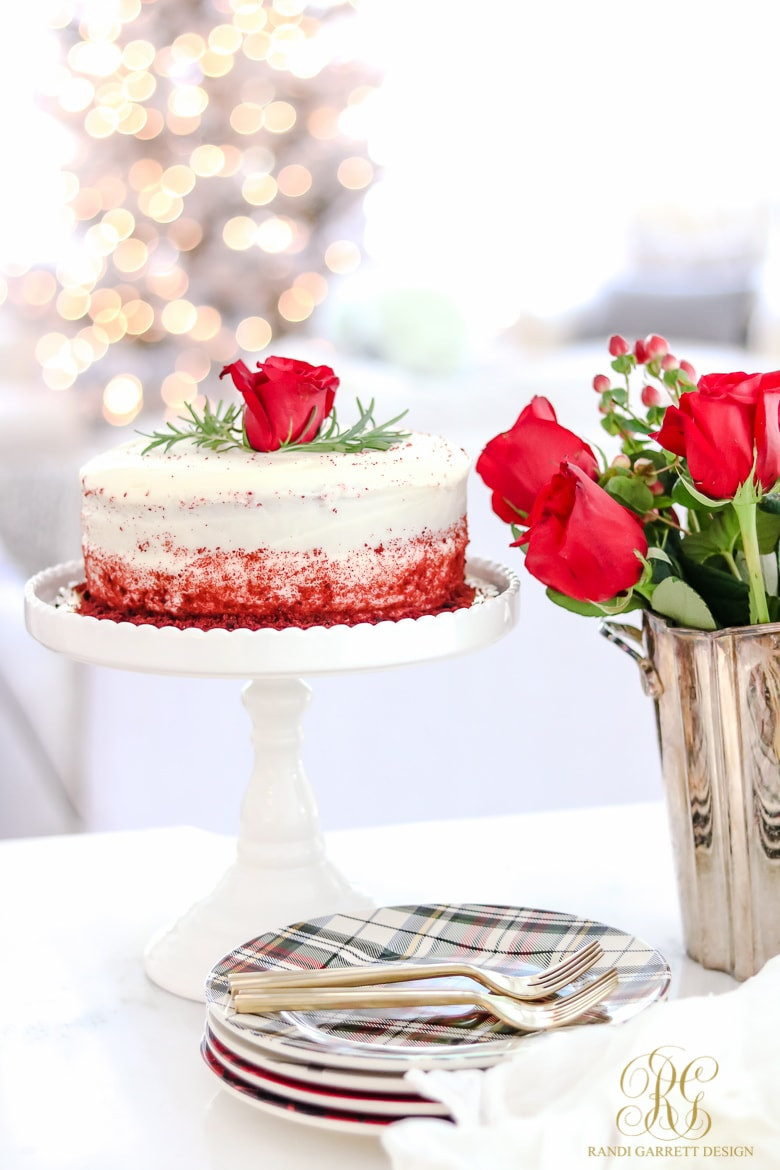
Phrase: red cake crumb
(268, 588)
(461, 598)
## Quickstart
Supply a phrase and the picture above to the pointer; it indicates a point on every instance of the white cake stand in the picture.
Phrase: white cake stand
(281, 873)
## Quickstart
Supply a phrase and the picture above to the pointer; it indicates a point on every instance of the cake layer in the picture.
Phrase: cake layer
(284, 538)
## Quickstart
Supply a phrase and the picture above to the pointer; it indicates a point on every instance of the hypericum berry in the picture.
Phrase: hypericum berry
(618, 346)
(601, 383)
(656, 346)
(640, 352)
(657, 488)
(688, 369)
(645, 469)
(621, 461)
(670, 362)
(651, 395)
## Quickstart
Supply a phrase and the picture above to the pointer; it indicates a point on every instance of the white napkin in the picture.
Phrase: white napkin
(563, 1101)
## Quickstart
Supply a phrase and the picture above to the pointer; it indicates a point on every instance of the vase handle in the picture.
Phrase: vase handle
(629, 640)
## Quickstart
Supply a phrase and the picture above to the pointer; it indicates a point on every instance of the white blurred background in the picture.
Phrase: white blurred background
(452, 203)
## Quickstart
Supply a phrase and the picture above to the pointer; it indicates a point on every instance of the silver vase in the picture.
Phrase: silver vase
(717, 698)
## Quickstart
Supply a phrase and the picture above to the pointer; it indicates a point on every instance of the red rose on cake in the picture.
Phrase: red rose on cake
(287, 400)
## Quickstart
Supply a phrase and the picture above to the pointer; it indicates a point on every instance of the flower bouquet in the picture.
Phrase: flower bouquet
(684, 521)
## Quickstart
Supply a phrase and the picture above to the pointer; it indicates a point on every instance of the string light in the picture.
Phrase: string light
(178, 236)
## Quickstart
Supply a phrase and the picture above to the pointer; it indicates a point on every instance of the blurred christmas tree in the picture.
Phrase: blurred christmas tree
(215, 186)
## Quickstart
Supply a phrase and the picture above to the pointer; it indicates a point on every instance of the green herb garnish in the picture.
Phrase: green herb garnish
(222, 427)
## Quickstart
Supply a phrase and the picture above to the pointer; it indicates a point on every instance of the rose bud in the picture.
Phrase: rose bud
(621, 461)
(601, 383)
(656, 347)
(670, 362)
(651, 395)
(618, 346)
(286, 400)
(518, 463)
(688, 369)
(580, 541)
(640, 352)
(728, 432)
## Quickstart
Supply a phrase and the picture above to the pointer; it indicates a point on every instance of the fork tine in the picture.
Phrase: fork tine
(579, 961)
(586, 997)
(581, 999)
(572, 957)
(559, 974)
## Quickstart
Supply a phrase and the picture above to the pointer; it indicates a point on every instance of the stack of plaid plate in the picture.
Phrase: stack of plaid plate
(345, 1070)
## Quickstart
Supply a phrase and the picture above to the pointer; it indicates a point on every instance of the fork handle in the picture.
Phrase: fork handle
(321, 999)
(366, 975)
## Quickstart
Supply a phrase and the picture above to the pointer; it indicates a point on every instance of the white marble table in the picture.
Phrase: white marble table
(100, 1069)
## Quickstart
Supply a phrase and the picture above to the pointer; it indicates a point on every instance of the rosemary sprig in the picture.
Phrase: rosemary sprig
(218, 429)
(365, 434)
(223, 427)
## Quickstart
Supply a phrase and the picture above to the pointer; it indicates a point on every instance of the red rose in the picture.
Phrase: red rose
(287, 401)
(581, 541)
(722, 427)
(518, 463)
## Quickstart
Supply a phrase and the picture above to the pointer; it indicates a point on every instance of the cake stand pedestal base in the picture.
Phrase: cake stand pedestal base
(281, 873)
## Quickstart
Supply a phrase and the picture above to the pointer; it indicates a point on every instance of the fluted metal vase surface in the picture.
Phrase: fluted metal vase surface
(717, 697)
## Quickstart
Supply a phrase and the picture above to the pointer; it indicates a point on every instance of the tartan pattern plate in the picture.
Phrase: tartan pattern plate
(340, 1120)
(396, 1105)
(358, 1081)
(510, 939)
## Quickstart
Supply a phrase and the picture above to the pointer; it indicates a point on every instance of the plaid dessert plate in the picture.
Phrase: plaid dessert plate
(510, 939)
(340, 1120)
(327, 1098)
(367, 1082)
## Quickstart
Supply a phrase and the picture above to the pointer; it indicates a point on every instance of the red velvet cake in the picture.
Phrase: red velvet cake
(192, 536)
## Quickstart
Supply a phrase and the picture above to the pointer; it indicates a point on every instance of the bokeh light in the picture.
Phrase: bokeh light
(122, 399)
(253, 334)
(199, 169)
(342, 256)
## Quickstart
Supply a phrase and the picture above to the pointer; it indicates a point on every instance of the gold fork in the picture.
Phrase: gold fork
(524, 1017)
(540, 985)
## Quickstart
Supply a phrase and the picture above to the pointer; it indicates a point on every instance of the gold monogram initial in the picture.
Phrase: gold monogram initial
(675, 1109)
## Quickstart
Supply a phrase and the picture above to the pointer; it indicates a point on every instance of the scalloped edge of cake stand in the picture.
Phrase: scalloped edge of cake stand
(256, 653)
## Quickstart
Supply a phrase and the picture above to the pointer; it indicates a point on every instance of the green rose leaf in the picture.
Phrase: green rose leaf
(587, 609)
(769, 571)
(727, 598)
(716, 538)
(770, 503)
(767, 527)
(661, 564)
(675, 599)
(632, 493)
(686, 496)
